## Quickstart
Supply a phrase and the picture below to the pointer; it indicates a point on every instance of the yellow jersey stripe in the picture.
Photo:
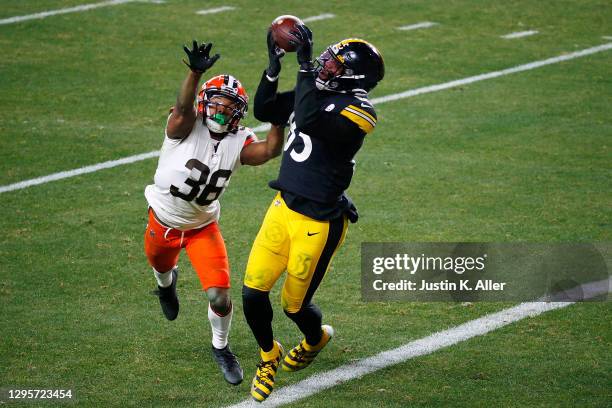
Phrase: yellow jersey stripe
(362, 111)
(363, 124)
(372, 122)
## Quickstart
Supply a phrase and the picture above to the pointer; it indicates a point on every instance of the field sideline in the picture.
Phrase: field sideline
(509, 152)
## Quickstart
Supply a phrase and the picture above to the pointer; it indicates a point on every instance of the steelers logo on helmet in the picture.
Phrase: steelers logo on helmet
(350, 66)
(222, 102)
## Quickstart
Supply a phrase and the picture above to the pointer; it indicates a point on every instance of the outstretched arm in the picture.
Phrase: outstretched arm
(259, 152)
(306, 101)
(271, 106)
(275, 53)
(183, 115)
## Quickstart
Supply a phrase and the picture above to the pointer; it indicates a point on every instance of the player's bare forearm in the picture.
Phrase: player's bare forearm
(184, 114)
(260, 152)
(274, 140)
(187, 94)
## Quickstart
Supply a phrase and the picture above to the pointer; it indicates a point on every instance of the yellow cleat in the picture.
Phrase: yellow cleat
(263, 382)
(302, 355)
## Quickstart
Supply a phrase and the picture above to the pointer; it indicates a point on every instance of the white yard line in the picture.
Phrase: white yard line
(79, 171)
(607, 37)
(379, 100)
(75, 9)
(519, 34)
(421, 347)
(319, 17)
(494, 74)
(216, 10)
(424, 24)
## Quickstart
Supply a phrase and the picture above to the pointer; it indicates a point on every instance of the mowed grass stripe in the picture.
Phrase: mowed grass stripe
(421, 347)
(383, 99)
(75, 9)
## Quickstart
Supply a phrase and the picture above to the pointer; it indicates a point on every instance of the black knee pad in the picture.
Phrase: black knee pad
(258, 313)
(253, 295)
(256, 303)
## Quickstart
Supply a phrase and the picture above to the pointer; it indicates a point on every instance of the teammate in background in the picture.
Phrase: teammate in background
(203, 146)
(329, 116)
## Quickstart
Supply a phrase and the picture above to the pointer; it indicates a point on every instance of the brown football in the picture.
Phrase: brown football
(281, 29)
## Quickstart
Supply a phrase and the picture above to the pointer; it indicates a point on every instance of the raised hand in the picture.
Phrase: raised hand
(303, 44)
(275, 53)
(199, 57)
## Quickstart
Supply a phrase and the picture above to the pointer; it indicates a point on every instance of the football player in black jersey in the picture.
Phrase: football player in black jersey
(329, 116)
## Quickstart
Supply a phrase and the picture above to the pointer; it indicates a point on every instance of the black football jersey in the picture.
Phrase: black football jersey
(326, 129)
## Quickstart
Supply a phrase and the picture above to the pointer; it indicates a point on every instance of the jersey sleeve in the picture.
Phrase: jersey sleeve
(270, 105)
(335, 117)
(249, 139)
(246, 136)
(168, 142)
(341, 121)
(360, 114)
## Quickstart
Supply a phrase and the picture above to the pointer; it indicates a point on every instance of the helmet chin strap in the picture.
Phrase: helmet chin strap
(325, 85)
(320, 84)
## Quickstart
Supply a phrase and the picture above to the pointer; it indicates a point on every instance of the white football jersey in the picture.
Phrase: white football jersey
(192, 174)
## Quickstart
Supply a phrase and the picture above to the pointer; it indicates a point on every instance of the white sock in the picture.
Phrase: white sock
(220, 327)
(163, 279)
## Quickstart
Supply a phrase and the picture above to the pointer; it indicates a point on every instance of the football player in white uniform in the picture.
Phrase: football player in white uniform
(203, 146)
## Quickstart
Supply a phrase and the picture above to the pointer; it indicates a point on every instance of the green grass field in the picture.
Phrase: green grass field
(520, 158)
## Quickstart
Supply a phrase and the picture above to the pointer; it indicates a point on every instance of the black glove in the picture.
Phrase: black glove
(199, 57)
(303, 36)
(275, 53)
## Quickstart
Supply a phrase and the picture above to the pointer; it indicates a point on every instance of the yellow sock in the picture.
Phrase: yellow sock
(270, 355)
(316, 347)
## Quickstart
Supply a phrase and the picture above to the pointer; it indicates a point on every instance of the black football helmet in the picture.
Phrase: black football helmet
(350, 66)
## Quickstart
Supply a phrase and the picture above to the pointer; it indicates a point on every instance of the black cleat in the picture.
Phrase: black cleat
(229, 365)
(167, 298)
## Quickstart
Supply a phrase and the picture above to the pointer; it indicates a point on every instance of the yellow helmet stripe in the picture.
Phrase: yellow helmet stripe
(350, 40)
(341, 44)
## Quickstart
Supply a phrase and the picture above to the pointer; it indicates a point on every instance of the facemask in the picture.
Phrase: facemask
(320, 84)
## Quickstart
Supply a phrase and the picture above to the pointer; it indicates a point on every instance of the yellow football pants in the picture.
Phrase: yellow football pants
(302, 246)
